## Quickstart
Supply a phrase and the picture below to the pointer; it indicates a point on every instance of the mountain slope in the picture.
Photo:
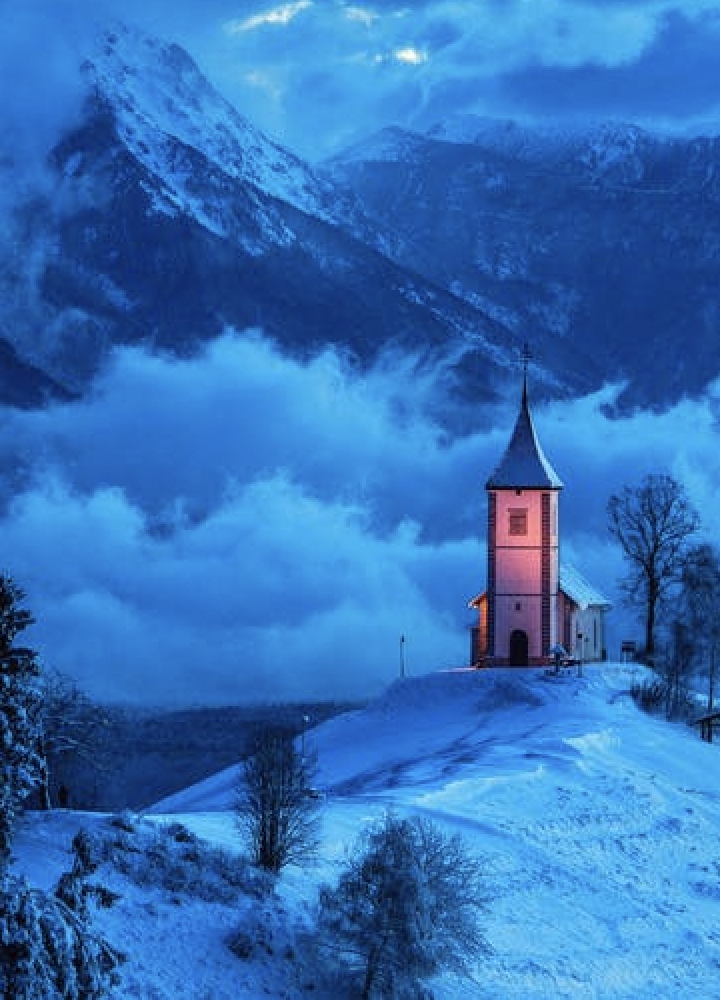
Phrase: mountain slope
(170, 217)
(603, 243)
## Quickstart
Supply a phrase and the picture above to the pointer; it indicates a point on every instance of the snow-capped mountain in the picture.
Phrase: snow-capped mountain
(599, 243)
(162, 104)
(168, 217)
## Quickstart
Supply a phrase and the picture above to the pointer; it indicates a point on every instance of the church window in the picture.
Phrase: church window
(517, 521)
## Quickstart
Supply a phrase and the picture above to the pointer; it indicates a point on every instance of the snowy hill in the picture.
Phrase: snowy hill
(597, 826)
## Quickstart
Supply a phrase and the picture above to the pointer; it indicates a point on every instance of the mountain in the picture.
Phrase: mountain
(165, 217)
(599, 245)
(168, 217)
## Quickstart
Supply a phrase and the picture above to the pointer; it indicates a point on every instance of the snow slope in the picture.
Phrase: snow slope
(164, 105)
(597, 826)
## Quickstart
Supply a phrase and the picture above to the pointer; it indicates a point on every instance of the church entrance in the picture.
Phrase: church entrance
(518, 648)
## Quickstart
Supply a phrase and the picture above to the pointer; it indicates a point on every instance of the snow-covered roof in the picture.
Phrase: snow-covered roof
(524, 465)
(580, 591)
(574, 585)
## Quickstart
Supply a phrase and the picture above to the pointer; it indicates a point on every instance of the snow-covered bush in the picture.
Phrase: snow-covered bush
(48, 950)
(175, 859)
(406, 907)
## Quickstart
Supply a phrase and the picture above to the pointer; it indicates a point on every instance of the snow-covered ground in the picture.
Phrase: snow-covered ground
(597, 825)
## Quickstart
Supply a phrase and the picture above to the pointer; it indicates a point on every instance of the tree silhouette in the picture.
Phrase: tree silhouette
(652, 522)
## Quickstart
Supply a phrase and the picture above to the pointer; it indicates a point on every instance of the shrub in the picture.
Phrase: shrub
(650, 695)
(47, 947)
(173, 858)
(406, 906)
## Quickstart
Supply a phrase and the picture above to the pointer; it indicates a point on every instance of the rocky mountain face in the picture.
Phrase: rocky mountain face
(166, 217)
(600, 245)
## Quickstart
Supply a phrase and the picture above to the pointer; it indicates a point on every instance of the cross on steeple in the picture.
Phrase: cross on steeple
(526, 358)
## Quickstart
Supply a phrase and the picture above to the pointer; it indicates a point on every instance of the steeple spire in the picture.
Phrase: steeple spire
(524, 465)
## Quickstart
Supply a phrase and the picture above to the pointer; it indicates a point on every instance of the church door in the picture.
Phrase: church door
(518, 648)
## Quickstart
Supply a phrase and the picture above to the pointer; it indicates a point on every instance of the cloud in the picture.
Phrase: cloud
(282, 14)
(243, 526)
(318, 74)
(236, 527)
(673, 83)
(386, 62)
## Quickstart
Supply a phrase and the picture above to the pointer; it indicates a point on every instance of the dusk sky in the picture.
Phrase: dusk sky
(317, 74)
(240, 525)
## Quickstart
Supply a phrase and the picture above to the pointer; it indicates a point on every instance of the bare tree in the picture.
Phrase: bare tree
(700, 607)
(73, 726)
(406, 907)
(652, 522)
(277, 806)
(674, 663)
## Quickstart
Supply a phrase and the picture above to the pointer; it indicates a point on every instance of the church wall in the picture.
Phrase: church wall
(528, 617)
(525, 567)
(591, 623)
(518, 571)
(510, 500)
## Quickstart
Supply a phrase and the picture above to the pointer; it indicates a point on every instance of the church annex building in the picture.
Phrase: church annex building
(533, 605)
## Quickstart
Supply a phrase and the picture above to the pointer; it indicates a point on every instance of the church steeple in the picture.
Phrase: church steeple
(522, 552)
(524, 465)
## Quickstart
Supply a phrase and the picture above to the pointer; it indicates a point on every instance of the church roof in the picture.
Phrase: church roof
(524, 465)
(580, 591)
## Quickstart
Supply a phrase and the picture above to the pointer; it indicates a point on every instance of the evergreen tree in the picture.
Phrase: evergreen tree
(21, 764)
(48, 950)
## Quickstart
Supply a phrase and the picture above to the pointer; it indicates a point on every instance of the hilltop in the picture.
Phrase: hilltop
(597, 826)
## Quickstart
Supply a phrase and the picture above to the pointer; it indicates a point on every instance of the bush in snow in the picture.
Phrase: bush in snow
(406, 907)
(21, 765)
(649, 695)
(277, 807)
(175, 859)
(47, 947)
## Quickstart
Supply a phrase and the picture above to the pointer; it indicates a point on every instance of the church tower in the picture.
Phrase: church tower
(519, 610)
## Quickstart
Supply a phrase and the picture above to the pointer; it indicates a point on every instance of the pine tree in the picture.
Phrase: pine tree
(48, 950)
(21, 763)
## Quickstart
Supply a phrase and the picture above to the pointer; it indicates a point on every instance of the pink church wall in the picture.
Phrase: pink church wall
(518, 571)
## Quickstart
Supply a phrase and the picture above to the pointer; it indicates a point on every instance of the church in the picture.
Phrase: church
(533, 605)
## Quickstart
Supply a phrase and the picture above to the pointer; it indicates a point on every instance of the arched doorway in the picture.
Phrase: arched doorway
(518, 648)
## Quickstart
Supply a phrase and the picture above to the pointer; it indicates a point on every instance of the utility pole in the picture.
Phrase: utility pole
(402, 655)
(305, 720)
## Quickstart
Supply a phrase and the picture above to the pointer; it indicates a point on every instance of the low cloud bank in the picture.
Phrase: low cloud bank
(242, 526)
